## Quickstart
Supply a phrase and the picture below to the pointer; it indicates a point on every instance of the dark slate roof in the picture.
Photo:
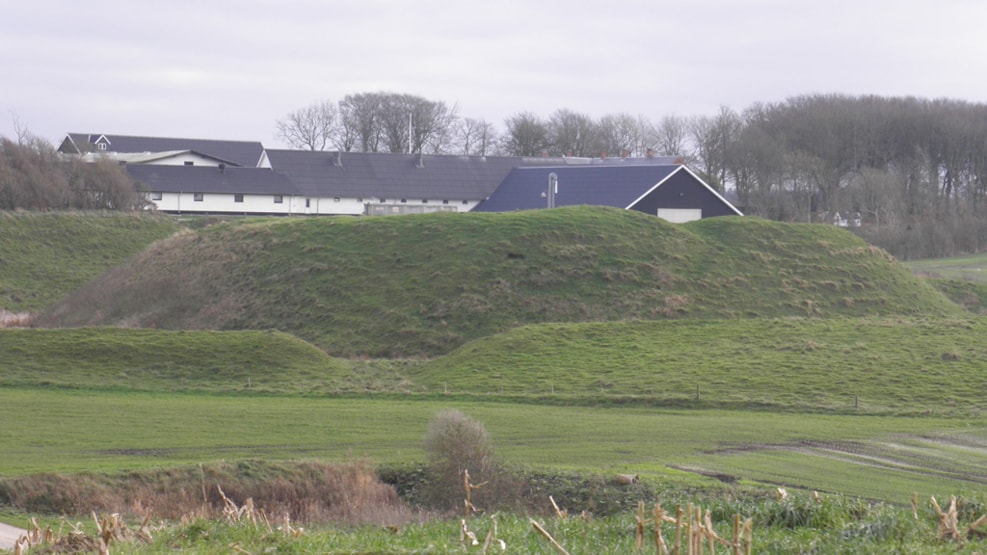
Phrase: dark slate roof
(598, 185)
(206, 179)
(240, 153)
(390, 176)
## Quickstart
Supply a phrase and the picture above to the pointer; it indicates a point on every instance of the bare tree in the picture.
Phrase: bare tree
(526, 135)
(620, 134)
(313, 127)
(360, 114)
(573, 134)
(712, 138)
(34, 177)
(475, 137)
(671, 136)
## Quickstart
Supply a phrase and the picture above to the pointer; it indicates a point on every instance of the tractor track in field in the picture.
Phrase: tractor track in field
(909, 454)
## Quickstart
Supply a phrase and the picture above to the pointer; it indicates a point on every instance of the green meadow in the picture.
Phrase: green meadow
(717, 360)
(74, 431)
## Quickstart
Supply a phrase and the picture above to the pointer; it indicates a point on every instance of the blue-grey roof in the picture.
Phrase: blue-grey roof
(240, 153)
(597, 185)
(391, 176)
(206, 179)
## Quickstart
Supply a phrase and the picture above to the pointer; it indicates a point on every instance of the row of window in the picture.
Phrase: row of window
(279, 199)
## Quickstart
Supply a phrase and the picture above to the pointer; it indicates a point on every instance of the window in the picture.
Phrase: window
(156, 195)
(383, 200)
(101, 146)
(445, 202)
(278, 199)
(424, 201)
(466, 202)
(189, 163)
(335, 199)
(238, 197)
(404, 200)
(197, 197)
(308, 203)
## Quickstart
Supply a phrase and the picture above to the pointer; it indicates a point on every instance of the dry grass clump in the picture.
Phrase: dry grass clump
(15, 319)
(949, 526)
(348, 493)
(109, 529)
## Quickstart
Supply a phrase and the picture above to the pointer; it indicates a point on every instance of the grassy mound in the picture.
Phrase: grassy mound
(890, 365)
(152, 360)
(45, 256)
(424, 285)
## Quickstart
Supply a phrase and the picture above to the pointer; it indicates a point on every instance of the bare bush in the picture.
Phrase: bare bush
(455, 443)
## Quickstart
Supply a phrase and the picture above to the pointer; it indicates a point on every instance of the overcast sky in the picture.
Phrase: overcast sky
(227, 69)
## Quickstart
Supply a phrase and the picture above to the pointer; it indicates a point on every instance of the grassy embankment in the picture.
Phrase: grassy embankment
(903, 366)
(424, 285)
(45, 256)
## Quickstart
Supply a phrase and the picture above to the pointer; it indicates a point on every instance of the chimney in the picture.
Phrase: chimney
(624, 153)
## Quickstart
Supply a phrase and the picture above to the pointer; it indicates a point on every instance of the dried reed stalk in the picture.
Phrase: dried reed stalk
(469, 508)
(558, 513)
(948, 520)
(549, 537)
(698, 530)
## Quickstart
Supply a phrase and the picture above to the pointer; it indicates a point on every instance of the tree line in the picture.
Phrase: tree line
(912, 172)
(33, 176)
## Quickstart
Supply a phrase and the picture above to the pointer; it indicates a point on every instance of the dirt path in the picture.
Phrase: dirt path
(9, 535)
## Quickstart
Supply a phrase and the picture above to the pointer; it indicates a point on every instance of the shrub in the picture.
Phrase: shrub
(456, 443)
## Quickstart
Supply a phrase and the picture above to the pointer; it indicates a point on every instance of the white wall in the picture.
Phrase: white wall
(216, 202)
(295, 205)
(180, 159)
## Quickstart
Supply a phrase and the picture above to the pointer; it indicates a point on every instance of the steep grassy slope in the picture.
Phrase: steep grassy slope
(426, 284)
(45, 256)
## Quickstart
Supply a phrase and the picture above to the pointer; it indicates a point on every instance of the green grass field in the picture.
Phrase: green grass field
(72, 431)
(971, 268)
(718, 360)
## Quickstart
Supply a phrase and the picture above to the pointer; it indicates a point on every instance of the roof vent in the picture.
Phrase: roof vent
(421, 160)
(338, 160)
(222, 168)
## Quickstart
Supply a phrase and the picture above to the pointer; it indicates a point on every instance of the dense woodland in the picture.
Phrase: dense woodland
(911, 171)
